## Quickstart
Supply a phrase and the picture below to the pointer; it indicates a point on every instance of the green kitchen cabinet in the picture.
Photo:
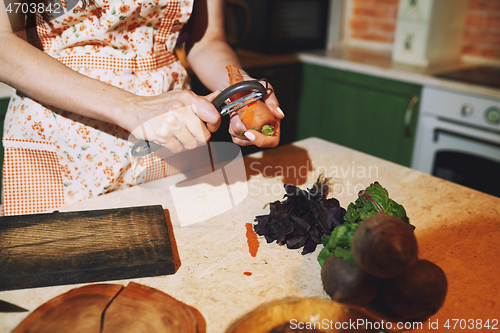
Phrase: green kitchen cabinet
(370, 114)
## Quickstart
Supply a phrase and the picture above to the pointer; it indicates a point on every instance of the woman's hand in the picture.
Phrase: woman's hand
(249, 137)
(209, 54)
(177, 120)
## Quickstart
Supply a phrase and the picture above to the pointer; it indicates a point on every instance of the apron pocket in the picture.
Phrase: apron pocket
(32, 180)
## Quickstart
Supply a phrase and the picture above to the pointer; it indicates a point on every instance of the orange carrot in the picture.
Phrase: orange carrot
(234, 77)
(256, 115)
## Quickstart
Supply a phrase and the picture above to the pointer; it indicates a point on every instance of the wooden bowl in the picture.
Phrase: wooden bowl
(328, 315)
(113, 308)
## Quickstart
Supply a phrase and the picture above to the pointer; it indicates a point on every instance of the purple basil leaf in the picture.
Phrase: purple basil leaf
(316, 233)
(301, 223)
(276, 208)
(281, 234)
(269, 239)
(309, 246)
(290, 227)
(324, 217)
(338, 216)
(301, 218)
(332, 203)
(295, 242)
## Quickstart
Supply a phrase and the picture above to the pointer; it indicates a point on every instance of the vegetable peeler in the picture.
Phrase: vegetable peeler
(143, 147)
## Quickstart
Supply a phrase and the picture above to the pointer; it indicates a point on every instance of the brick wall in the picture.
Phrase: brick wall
(482, 29)
(375, 21)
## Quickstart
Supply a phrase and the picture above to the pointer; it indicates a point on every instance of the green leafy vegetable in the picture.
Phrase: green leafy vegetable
(373, 200)
(338, 243)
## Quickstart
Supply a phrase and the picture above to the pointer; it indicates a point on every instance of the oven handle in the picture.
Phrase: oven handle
(438, 125)
(439, 131)
(409, 114)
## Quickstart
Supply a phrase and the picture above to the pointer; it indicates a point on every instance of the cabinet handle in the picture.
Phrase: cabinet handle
(409, 113)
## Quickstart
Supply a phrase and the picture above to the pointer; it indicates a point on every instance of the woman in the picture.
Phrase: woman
(100, 72)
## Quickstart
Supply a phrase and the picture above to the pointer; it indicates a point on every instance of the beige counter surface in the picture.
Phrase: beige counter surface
(456, 227)
(379, 63)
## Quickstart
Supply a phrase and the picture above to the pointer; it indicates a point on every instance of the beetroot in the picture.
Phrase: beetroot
(346, 283)
(384, 246)
(419, 293)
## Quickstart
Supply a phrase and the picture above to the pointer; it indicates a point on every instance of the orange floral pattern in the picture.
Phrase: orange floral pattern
(94, 155)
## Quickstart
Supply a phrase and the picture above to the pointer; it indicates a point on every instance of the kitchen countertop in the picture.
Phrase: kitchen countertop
(379, 63)
(456, 227)
(374, 62)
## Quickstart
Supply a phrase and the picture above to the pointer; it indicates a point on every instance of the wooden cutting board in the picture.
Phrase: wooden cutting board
(103, 308)
(86, 246)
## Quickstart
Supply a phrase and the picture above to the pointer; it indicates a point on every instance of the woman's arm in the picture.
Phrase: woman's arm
(208, 54)
(46, 80)
(207, 50)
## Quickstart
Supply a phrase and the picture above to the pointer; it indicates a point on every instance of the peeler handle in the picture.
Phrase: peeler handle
(230, 91)
(143, 148)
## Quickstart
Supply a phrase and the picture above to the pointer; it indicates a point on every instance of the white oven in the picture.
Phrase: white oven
(458, 139)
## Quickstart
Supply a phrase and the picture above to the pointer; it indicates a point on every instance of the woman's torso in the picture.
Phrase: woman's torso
(126, 43)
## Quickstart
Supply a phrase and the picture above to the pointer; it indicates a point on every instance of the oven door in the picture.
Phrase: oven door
(461, 154)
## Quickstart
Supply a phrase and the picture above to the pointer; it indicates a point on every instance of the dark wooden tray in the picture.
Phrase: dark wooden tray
(86, 246)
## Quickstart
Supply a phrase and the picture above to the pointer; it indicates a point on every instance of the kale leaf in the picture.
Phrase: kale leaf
(373, 200)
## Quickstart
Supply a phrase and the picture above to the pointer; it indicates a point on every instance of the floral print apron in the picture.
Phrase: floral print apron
(54, 157)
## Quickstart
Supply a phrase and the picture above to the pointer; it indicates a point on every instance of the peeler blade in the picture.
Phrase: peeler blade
(241, 102)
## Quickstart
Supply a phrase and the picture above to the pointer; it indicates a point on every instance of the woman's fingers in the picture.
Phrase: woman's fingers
(277, 112)
(252, 137)
(264, 141)
(210, 97)
(168, 139)
(177, 120)
(196, 126)
(273, 104)
(173, 145)
(236, 126)
(186, 138)
(243, 137)
(207, 112)
(241, 142)
(184, 126)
